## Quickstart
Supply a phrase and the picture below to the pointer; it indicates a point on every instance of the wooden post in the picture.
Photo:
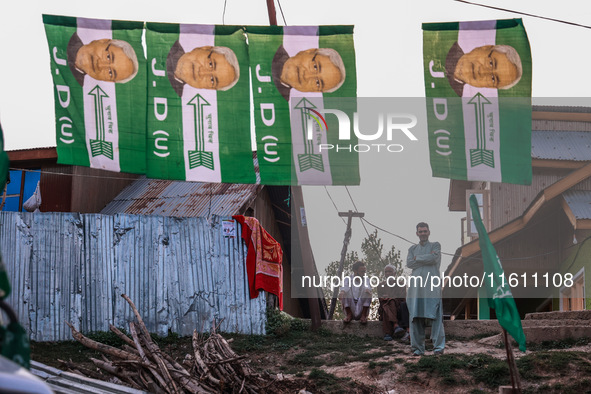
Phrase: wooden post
(350, 215)
(515, 381)
(297, 203)
(272, 13)
(297, 200)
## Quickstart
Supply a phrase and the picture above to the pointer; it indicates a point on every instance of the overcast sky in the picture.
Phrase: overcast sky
(397, 189)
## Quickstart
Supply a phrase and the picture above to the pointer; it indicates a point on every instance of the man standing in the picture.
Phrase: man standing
(355, 295)
(424, 302)
(393, 311)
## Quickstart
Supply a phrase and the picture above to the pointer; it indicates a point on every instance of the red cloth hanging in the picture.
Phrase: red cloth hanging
(264, 258)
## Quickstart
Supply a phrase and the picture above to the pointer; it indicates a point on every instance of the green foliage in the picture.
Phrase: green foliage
(553, 363)
(329, 383)
(280, 323)
(375, 259)
(482, 367)
(107, 337)
(565, 343)
(494, 374)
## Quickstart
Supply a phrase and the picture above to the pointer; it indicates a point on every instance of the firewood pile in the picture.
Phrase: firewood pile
(212, 368)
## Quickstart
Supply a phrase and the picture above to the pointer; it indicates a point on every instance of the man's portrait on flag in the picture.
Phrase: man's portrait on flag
(310, 70)
(486, 66)
(104, 59)
(204, 67)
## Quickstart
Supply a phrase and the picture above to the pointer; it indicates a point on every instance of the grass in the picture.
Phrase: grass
(298, 351)
(480, 367)
(330, 384)
(546, 364)
(567, 343)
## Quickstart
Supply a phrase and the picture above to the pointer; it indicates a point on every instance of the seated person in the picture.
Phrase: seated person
(393, 310)
(355, 295)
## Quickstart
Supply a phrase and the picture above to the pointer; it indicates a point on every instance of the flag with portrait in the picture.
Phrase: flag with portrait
(199, 106)
(478, 90)
(295, 70)
(98, 69)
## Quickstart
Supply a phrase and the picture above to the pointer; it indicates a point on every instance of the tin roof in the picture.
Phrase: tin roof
(561, 145)
(182, 199)
(560, 108)
(579, 202)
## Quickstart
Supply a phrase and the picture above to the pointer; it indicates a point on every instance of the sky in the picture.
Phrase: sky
(397, 189)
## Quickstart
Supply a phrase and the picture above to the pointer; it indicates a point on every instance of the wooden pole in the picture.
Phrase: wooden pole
(298, 204)
(515, 381)
(350, 215)
(307, 256)
(272, 13)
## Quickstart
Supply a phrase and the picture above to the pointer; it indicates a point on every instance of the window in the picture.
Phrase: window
(22, 186)
(482, 197)
(573, 298)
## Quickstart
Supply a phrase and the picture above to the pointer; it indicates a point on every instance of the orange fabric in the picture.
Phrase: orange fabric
(263, 261)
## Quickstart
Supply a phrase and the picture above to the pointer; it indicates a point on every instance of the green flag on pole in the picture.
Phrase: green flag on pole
(478, 89)
(199, 104)
(498, 290)
(295, 70)
(99, 74)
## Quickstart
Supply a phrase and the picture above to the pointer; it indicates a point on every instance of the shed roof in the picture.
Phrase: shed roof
(182, 199)
(579, 202)
(561, 145)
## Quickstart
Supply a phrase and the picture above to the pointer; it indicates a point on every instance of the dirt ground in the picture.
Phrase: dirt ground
(323, 362)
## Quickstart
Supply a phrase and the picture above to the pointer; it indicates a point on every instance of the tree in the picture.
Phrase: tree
(372, 250)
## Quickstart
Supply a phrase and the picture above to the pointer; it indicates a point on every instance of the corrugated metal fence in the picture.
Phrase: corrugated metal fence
(181, 273)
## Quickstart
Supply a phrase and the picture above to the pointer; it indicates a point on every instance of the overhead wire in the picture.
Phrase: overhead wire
(281, 10)
(333, 203)
(69, 174)
(357, 210)
(524, 13)
(224, 13)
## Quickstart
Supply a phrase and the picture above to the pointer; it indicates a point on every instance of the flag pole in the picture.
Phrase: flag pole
(515, 382)
(272, 13)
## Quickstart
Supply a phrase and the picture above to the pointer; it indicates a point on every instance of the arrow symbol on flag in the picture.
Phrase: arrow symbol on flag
(199, 157)
(480, 155)
(308, 160)
(100, 146)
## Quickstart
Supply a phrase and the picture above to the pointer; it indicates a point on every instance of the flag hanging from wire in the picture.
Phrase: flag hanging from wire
(295, 69)
(478, 89)
(498, 290)
(99, 76)
(198, 93)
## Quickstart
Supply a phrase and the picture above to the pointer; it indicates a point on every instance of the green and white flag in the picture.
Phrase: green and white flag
(498, 290)
(295, 70)
(98, 70)
(199, 106)
(478, 89)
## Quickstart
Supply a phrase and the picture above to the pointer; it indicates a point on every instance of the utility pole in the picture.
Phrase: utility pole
(350, 215)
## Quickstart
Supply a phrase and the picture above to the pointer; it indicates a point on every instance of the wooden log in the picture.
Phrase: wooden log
(124, 376)
(136, 342)
(101, 347)
(121, 335)
(200, 364)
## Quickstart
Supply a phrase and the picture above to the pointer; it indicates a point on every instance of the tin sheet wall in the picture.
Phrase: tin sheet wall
(181, 273)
